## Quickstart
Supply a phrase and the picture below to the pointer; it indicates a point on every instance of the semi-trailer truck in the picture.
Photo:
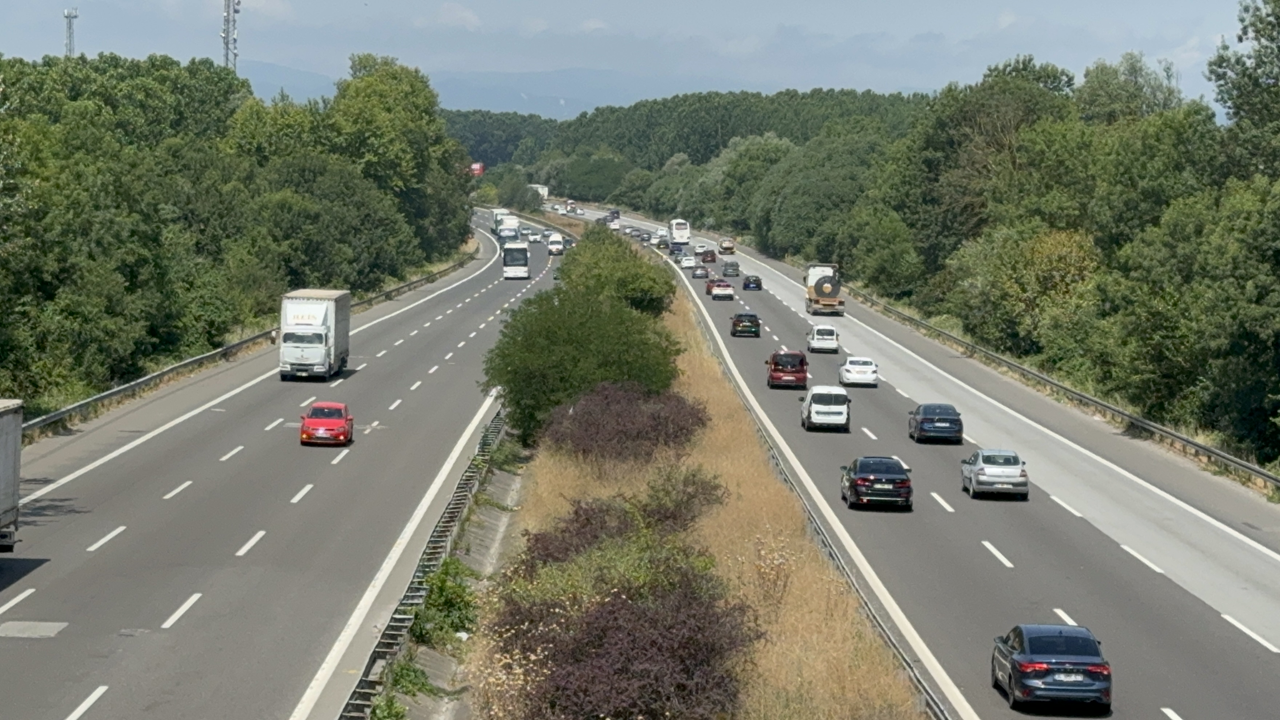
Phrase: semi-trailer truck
(10, 471)
(315, 333)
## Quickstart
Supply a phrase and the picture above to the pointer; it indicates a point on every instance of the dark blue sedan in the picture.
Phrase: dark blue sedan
(752, 282)
(1051, 663)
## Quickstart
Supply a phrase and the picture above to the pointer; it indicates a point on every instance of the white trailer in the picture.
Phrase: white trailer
(10, 471)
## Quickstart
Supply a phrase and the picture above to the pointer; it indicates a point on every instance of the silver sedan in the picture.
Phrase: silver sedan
(996, 472)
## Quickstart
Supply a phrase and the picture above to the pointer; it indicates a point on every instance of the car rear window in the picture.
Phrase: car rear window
(880, 467)
(940, 411)
(745, 317)
(829, 399)
(1001, 460)
(787, 361)
(325, 413)
(826, 332)
(1063, 645)
(860, 363)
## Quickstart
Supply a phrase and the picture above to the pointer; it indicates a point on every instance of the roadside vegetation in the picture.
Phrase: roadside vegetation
(150, 210)
(1103, 228)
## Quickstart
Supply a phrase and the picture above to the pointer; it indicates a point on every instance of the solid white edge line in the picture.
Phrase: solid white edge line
(106, 539)
(244, 549)
(88, 703)
(1065, 506)
(1200, 514)
(272, 425)
(899, 618)
(19, 598)
(1141, 559)
(177, 615)
(942, 502)
(1261, 640)
(356, 621)
(301, 493)
(177, 490)
(999, 556)
(341, 455)
(231, 454)
(1065, 617)
(1169, 713)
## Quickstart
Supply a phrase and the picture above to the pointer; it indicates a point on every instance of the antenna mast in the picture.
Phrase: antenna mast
(230, 8)
(71, 16)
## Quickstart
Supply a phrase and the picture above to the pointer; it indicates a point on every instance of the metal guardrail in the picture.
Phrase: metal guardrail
(396, 633)
(223, 353)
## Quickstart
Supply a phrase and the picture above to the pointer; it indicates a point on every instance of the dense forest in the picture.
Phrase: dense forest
(149, 209)
(1104, 228)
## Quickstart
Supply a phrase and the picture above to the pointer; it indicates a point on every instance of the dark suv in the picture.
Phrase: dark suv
(744, 324)
(788, 368)
(730, 269)
(935, 420)
(871, 480)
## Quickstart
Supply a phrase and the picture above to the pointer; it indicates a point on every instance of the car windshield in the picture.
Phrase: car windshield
(880, 467)
(303, 338)
(940, 411)
(787, 361)
(1000, 460)
(825, 332)
(1062, 645)
(829, 399)
(325, 413)
(858, 362)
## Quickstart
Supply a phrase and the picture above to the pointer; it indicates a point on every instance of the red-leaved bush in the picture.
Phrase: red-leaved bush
(622, 421)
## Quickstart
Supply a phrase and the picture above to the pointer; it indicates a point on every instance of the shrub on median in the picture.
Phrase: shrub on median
(624, 422)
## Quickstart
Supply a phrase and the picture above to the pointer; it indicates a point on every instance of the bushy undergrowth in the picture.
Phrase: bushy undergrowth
(624, 422)
(449, 608)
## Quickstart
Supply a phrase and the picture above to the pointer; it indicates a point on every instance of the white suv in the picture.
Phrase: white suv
(823, 338)
(825, 406)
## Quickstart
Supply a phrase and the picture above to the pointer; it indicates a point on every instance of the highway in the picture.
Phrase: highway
(1175, 570)
(217, 569)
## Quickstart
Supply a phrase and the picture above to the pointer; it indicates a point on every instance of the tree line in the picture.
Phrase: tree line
(1106, 229)
(149, 209)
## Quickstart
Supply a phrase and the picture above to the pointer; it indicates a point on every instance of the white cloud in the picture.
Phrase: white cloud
(451, 14)
(593, 24)
(1006, 19)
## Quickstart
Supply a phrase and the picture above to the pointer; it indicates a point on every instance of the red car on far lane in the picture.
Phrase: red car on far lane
(328, 423)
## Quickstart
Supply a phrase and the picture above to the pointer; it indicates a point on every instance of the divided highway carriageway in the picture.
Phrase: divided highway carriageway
(184, 558)
(1175, 570)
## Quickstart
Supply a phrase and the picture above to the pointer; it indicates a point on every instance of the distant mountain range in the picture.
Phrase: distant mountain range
(559, 94)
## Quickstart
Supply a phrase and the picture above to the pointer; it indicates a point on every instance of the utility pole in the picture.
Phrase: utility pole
(230, 8)
(71, 16)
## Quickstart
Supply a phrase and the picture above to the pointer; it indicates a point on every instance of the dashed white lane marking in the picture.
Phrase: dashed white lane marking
(336, 383)
(362, 366)
(467, 300)
(177, 490)
(473, 334)
(272, 425)
(228, 456)
(342, 454)
(88, 703)
(307, 402)
(433, 369)
(415, 332)
(482, 325)
(395, 405)
(438, 317)
(1169, 713)
(464, 342)
(448, 311)
(784, 348)
(1065, 617)
(942, 502)
(426, 324)
(766, 329)
(20, 597)
(399, 341)
(415, 386)
(491, 317)
(446, 357)
(1004, 560)
(1065, 506)
(775, 337)
(380, 354)
(302, 493)
(1141, 559)
(244, 549)
(870, 434)
(1261, 640)
(106, 539)
(459, 305)
(180, 612)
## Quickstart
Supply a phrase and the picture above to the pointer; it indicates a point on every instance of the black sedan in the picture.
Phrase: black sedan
(871, 480)
(935, 420)
(701, 272)
(1043, 663)
(752, 282)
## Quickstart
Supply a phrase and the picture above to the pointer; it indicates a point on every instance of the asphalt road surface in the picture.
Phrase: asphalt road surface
(1177, 571)
(217, 569)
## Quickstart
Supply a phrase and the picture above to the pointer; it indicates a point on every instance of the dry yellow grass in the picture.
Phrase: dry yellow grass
(822, 659)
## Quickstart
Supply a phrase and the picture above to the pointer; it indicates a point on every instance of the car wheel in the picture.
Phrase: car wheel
(846, 428)
(995, 681)
(1010, 696)
(911, 435)
(804, 423)
(850, 501)
(964, 485)
(909, 507)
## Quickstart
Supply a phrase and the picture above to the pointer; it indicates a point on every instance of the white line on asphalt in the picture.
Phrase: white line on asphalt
(473, 334)
(373, 424)
(490, 319)
(1065, 617)
(775, 337)
(362, 366)
(307, 402)
(244, 549)
(415, 332)
(869, 434)
(446, 357)
(399, 341)
(89, 701)
(427, 324)
(21, 596)
(177, 490)
(302, 493)
(1169, 713)
(766, 329)
(902, 393)
(996, 552)
(459, 305)
(226, 457)
(272, 425)
(1065, 506)
(1144, 561)
(1261, 640)
(968, 439)
(336, 383)
(464, 342)
(381, 353)
(394, 405)
(343, 454)
(415, 386)
(357, 619)
(180, 612)
(433, 369)
(466, 301)
(438, 317)
(449, 311)
(784, 348)
(942, 502)
(106, 539)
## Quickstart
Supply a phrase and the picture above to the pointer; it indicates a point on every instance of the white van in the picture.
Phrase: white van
(825, 406)
(555, 244)
(823, 338)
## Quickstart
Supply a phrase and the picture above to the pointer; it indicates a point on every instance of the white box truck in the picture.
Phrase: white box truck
(315, 333)
(10, 471)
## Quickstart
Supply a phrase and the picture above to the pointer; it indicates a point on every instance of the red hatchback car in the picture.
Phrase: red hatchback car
(788, 368)
(328, 423)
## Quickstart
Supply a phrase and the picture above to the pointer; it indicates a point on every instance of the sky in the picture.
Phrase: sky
(622, 51)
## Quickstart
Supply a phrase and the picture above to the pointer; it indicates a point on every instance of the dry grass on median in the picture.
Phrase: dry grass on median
(821, 659)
